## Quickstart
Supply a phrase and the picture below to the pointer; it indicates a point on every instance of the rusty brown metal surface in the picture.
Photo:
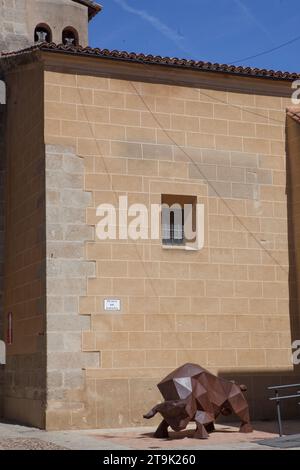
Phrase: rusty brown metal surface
(192, 393)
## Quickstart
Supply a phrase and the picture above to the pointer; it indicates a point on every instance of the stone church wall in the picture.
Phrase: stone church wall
(24, 273)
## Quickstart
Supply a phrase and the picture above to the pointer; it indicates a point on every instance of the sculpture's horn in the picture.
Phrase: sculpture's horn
(151, 413)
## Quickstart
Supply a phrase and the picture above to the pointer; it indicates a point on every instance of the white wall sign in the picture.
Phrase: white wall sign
(112, 305)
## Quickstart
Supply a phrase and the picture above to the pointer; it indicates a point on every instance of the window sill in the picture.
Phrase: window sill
(182, 248)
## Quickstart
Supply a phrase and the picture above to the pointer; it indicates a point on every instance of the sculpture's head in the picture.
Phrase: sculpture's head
(177, 413)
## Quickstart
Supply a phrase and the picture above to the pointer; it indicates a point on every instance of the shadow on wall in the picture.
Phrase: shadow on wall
(261, 408)
(2, 110)
(293, 212)
(257, 382)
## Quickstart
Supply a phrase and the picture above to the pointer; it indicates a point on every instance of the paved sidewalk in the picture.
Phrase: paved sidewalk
(226, 437)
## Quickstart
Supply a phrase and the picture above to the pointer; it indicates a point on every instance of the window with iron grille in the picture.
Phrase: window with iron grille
(173, 226)
(173, 218)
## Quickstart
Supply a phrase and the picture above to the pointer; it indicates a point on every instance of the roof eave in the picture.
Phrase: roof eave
(171, 62)
(93, 8)
(124, 56)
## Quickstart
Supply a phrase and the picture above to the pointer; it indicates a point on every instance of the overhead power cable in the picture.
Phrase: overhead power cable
(268, 51)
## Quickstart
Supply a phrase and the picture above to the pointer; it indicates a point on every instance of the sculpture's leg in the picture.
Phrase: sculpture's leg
(162, 430)
(242, 413)
(201, 432)
(210, 427)
(203, 421)
(245, 418)
(246, 428)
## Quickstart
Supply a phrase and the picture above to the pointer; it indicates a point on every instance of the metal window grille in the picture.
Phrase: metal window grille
(173, 233)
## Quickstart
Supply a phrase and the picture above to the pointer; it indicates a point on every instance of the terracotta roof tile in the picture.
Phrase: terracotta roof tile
(166, 61)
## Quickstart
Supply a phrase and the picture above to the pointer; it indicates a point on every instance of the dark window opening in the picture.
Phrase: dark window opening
(70, 37)
(42, 33)
(174, 218)
(173, 226)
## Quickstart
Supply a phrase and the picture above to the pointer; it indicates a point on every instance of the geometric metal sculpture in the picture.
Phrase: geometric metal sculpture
(192, 393)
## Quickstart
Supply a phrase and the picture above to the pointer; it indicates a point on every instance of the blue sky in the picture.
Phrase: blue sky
(214, 30)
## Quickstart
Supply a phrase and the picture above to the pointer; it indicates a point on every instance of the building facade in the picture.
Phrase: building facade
(92, 325)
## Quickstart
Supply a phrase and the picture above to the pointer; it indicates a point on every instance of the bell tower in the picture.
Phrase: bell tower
(23, 23)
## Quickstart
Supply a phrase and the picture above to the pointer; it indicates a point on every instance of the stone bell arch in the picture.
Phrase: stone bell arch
(24, 23)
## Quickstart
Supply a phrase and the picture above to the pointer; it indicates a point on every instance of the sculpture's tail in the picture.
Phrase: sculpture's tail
(243, 387)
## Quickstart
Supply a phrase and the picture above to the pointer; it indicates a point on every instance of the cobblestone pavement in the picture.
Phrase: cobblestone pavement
(226, 437)
(27, 444)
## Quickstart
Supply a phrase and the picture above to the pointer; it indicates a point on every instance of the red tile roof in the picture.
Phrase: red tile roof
(158, 60)
(93, 7)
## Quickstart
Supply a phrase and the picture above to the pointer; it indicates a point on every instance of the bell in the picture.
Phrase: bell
(69, 41)
(41, 36)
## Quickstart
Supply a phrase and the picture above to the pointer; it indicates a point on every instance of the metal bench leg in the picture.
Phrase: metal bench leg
(279, 415)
